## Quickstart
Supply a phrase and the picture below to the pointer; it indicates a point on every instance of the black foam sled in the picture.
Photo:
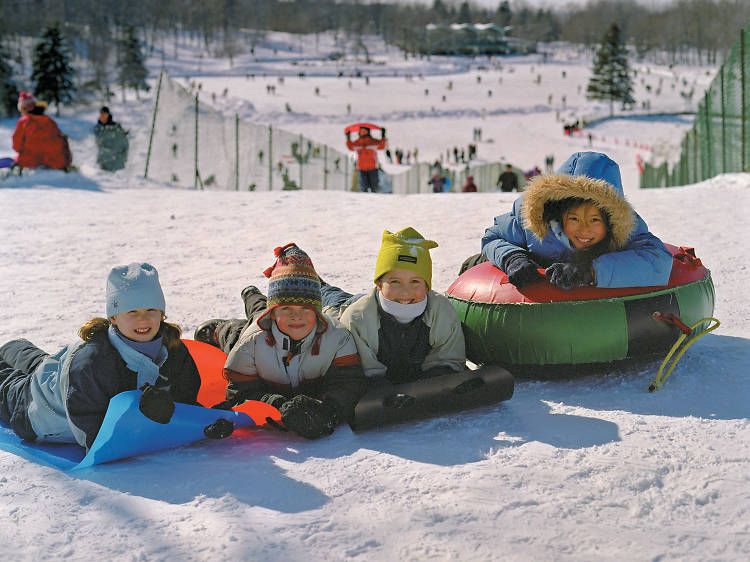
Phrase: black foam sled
(387, 403)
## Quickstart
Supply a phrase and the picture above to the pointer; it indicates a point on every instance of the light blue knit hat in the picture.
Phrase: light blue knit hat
(133, 286)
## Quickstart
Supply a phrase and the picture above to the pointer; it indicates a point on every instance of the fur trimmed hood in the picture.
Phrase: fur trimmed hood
(587, 175)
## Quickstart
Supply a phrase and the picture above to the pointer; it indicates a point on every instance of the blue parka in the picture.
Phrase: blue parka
(70, 391)
(636, 257)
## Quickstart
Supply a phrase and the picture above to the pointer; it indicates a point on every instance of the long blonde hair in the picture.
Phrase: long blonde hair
(170, 332)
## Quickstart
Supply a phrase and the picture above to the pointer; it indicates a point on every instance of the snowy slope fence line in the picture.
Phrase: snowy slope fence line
(192, 144)
(719, 141)
(485, 175)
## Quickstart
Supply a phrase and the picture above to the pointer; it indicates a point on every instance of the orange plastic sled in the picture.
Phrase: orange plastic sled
(210, 362)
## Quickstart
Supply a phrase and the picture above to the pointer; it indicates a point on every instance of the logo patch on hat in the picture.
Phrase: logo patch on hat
(410, 259)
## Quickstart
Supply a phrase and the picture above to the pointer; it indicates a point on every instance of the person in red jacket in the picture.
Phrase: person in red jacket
(469, 186)
(366, 148)
(37, 138)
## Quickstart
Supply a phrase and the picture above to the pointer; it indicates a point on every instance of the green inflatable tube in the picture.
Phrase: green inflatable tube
(543, 325)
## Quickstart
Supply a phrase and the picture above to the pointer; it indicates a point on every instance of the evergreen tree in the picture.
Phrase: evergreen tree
(464, 13)
(52, 73)
(132, 70)
(8, 89)
(611, 78)
(504, 14)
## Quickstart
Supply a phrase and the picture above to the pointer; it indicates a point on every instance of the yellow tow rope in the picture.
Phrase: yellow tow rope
(691, 338)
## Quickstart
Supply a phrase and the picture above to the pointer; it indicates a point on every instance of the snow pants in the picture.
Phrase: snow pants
(471, 261)
(228, 331)
(18, 360)
(335, 298)
(368, 180)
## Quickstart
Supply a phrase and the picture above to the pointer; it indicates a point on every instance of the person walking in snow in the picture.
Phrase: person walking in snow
(578, 227)
(111, 142)
(469, 186)
(508, 180)
(286, 353)
(37, 139)
(437, 182)
(64, 397)
(366, 148)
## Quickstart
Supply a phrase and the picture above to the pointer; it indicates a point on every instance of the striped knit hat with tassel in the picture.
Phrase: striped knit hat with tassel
(292, 280)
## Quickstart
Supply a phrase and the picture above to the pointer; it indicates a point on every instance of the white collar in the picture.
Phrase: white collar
(403, 313)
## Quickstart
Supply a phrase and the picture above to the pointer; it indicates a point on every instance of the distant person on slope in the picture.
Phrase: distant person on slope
(469, 186)
(366, 148)
(578, 227)
(37, 138)
(111, 142)
(508, 180)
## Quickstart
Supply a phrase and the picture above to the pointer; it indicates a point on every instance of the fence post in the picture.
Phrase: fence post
(236, 152)
(196, 179)
(744, 106)
(153, 124)
(270, 158)
(301, 164)
(723, 122)
(707, 173)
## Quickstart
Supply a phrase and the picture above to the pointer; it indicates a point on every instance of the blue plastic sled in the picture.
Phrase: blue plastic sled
(125, 432)
(7, 162)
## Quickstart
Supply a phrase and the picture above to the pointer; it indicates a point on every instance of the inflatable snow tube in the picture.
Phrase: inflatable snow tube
(542, 325)
(387, 404)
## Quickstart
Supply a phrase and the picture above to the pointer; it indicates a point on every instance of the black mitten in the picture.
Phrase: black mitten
(275, 400)
(220, 429)
(156, 404)
(309, 417)
(520, 269)
(226, 404)
(569, 275)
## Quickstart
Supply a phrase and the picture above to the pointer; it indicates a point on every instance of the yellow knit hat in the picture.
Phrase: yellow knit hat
(406, 249)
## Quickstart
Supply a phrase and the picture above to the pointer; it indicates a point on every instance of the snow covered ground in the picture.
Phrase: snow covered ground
(588, 469)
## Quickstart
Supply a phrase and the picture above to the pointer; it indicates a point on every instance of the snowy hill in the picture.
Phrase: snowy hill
(588, 469)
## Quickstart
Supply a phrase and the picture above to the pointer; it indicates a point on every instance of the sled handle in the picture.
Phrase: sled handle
(685, 337)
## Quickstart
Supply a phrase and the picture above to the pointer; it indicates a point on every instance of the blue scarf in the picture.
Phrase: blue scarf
(140, 362)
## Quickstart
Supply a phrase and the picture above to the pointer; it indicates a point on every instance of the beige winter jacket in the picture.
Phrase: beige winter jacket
(362, 319)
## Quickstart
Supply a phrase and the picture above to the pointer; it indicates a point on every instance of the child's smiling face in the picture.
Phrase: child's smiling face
(584, 225)
(402, 286)
(141, 324)
(295, 320)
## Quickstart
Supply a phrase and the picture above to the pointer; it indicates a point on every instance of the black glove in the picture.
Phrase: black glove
(156, 404)
(275, 400)
(382, 132)
(569, 275)
(220, 429)
(519, 268)
(226, 404)
(309, 417)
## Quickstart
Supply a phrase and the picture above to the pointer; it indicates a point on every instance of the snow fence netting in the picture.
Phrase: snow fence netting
(192, 144)
(719, 141)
